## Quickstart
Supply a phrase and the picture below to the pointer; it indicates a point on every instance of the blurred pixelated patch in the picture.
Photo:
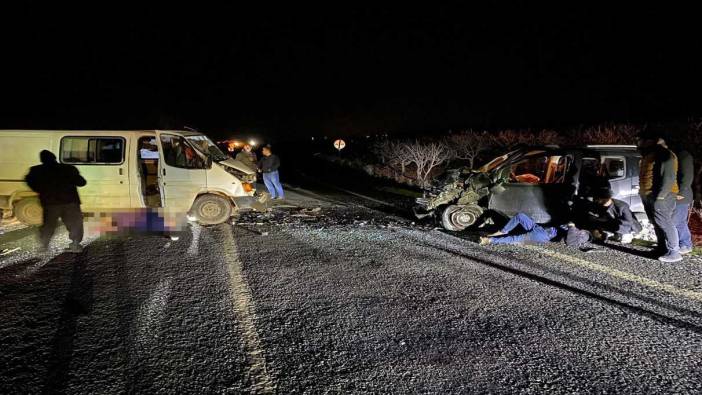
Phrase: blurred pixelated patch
(136, 221)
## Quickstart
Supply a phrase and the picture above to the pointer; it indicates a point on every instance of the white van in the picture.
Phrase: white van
(178, 170)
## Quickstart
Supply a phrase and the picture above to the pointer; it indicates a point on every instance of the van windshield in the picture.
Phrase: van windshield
(207, 147)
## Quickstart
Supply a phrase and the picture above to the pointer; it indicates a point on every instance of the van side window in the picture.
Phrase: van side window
(178, 153)
(92, 150)
(613, 167)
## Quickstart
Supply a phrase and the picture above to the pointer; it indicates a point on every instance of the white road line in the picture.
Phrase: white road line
(671, 289)
(243, 305)
(195, 243)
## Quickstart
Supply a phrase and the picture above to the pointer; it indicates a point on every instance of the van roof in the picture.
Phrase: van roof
(611, 146)
(182, 132)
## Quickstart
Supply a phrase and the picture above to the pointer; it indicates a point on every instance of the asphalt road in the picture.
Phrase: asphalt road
(323, 294)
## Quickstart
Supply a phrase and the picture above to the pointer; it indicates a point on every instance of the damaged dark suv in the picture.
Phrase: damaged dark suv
(539, 181)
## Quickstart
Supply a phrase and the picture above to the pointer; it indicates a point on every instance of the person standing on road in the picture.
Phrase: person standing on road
(247, 157)
(686, 175)
(268, 165)
(532, 232)
(56, 185)
(658, 188)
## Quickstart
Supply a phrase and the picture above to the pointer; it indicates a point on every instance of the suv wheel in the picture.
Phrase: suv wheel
(457, 218)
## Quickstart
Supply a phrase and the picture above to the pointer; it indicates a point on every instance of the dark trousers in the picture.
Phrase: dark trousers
(682, 211)
(71, 216)
(660, 213)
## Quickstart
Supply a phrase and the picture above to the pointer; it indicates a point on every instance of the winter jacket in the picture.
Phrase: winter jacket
(269, 164)
(247, 158)
(658, 173)
(55, 183)
(615, 218)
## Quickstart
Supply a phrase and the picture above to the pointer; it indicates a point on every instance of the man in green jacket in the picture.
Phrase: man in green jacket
(247, 157)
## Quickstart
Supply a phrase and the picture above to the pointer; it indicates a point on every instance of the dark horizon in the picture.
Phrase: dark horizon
(281, 76)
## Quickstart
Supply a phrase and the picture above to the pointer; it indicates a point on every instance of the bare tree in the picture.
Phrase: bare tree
(426, 157)
(392, 153)
(400, 156)
(468, 145)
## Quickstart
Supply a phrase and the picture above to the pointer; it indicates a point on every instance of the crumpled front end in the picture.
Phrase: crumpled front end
(459, 189)
(458, 199)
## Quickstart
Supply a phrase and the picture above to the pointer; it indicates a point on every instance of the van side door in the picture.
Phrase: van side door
(633, 162)
(182, 172)
(102, 161)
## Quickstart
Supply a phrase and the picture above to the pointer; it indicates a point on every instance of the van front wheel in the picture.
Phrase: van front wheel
(211, 209)
(28, 211)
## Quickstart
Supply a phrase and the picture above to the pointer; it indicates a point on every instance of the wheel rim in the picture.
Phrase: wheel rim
(33, 211)
(211, 210)
(30, 213)
(462, 218)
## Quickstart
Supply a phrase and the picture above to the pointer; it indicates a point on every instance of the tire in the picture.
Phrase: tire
(211, 209)
(457, 218)
(29, 211)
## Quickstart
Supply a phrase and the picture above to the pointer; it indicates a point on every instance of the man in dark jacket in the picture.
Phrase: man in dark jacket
(56, 185)
(658, 188)
(611, 216)
(686, 174)
(602, 219)
(268, 165)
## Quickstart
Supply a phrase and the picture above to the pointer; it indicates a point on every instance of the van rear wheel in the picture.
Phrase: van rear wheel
(29, 211)
(211, 209)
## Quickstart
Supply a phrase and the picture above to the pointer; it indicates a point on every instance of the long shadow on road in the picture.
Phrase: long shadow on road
(78, 301)
(638, 310)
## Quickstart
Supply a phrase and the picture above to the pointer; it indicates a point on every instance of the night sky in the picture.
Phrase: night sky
(294, 72)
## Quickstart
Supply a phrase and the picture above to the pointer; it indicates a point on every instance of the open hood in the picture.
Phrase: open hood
(235, 164)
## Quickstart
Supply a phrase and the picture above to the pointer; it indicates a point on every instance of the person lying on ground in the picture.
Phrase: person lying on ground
(530, 232)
